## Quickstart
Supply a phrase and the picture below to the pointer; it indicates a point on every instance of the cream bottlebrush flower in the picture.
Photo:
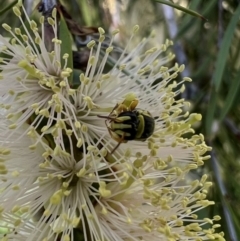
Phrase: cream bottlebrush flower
(156, 209)
(68, 182)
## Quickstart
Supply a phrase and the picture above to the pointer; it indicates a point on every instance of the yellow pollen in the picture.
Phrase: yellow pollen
(101, 30)
(82, 172)
(79, 142)
(115, 31)
(17, 222)
(103, 191)
(109, 50)
(77, 124)
(56, 197)
(84, 128)
(51, 21)
(91, 60)
(13, 126)
(91, 44)
(16, 11)
(65, 56)
(135, 29)
(101, 38)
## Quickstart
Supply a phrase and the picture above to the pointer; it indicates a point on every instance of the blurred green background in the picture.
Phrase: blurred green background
(210, 51)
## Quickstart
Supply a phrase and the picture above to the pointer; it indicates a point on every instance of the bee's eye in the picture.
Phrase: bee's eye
(83, 40)
(40, 7)
(46, 6)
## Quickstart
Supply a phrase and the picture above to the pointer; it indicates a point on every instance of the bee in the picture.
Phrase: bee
(126, 123)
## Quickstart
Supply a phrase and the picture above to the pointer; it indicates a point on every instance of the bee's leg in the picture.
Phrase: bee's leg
(115, 107)
(130, 102)
(108, 128)
(127, 106)
(115, 148)
(118, 139)
(133, 105)
(121, 108)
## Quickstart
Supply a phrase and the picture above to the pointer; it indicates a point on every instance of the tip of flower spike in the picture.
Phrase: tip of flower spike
(54, 13)
(6, 27)
(82, 172)
(12, 126)
(216, 218)
(91, 44)
(187, 79)
(19, 4)
(153, 34)
(135, 29)
(182, 89)
(41, 20)
(181, 68)
(23, 63)
(195, 118)
(152, 50)
(101, 38)
(103, 191)
(168, 42)
(109, 50)
(16, 11)
(91, 60)
(51, 21)
(101, 30)
(56, 197)
(57, 41)
(122, 66)
(79, 143)
(65, 56)
(114, 32)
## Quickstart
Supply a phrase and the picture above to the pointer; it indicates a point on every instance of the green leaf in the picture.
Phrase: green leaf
(223, 53)
(186, 10)
(78, 235)
(8, 7)
(87, 13)
(76, 82)
(187, 23)
(210, 7)
(210, 112)
(66, 46)
(232, 94)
